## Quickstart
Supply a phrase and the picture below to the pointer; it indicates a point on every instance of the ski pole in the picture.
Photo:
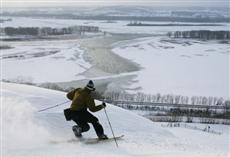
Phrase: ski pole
(110, 127)
(53, 106)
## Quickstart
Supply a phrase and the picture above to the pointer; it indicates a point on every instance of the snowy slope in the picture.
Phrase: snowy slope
(29, 133)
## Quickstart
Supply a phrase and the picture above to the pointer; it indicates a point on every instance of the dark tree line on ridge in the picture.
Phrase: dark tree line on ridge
(167, 98)
(43, 31)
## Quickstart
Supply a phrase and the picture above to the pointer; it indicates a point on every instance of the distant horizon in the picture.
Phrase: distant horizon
(215, 8)
(101, 3)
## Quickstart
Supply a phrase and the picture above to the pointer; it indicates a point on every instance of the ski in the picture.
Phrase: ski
(86, 140)
(97, 140)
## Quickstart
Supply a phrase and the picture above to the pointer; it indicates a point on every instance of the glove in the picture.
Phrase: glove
(103, 104)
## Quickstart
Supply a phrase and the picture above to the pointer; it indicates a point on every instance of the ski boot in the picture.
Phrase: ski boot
(103, 137)
(77, 131)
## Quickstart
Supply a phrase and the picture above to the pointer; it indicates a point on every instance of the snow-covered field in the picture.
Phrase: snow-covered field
(44, 61)
(183, 66)
(27, 132)
(114, 27)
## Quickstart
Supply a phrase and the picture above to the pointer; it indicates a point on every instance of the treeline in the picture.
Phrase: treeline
(191, 115)
(137, 97)
(223, 112)
(21, 31)
(135, 23)
(167, 98)
(199, 113)
(4, 20)
(201, 34)
(44, 31)
(117, 17)
(141, 107)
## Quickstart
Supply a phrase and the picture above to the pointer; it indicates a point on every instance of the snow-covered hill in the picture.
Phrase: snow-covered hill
(27, 132)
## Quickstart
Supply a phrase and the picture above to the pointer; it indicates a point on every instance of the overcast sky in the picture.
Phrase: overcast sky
(179, 3)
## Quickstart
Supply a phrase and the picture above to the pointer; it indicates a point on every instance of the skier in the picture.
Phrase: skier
(81, 101)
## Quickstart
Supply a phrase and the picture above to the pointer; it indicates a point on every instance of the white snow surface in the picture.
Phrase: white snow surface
(114, 27)
(180, 66)
(27, 133)
(170, 66)
(44, 61)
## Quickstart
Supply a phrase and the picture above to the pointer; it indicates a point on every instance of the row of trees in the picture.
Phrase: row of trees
(177, 119)
(201, 34)
(36, 31)
(168, 98)
(188, 115)
(21, 31)
(206, 100)
(137, 97)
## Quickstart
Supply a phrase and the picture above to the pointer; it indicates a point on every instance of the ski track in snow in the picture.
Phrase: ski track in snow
(29, 133)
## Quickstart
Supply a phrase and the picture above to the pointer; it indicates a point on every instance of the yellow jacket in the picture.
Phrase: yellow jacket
(81, 100)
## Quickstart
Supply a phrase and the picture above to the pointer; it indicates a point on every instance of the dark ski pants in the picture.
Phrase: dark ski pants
(83, 117)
